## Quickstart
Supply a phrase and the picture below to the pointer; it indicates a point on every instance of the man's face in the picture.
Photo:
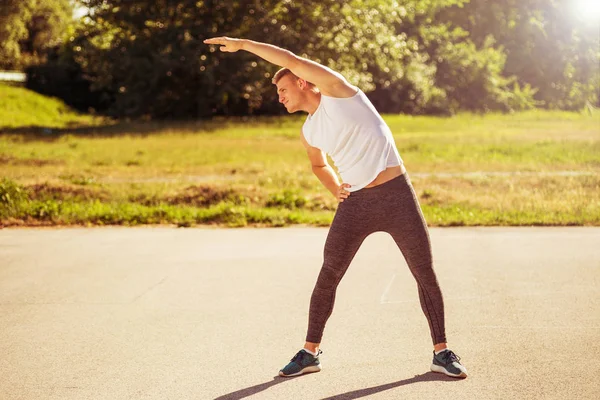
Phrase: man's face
(289, 93)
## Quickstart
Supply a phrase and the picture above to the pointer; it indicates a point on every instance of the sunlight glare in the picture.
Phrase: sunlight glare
(588, 9)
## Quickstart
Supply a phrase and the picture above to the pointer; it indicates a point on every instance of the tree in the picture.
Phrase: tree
(150, 55)
(30, 28)
(163, 67)
(546, 46)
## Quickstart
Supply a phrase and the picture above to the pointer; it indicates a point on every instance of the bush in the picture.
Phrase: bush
(287, 199)
(12, 198)
(62, 77)
(48, 210)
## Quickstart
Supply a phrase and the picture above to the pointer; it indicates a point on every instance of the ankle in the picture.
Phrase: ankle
(312, 347)
(439, 347)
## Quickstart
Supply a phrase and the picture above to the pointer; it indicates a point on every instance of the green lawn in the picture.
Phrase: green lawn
(77, 169)
(20, 107)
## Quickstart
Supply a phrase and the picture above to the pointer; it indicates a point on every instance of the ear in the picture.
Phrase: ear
(302, 83)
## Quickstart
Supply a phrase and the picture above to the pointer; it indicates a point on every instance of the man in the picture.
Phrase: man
(376, 194)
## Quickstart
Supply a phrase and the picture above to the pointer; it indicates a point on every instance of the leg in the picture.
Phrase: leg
(409, 231)
(345, 236)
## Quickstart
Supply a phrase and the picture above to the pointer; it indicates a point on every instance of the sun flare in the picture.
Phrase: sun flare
(588, 9)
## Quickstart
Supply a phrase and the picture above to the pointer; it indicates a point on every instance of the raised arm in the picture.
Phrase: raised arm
(329, 82)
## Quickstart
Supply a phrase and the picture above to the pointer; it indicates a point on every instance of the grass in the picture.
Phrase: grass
(20, 107)
(77, 169)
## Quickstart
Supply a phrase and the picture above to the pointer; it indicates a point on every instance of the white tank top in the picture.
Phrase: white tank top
(355, 136)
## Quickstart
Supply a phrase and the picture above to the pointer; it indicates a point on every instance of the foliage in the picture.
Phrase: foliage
(61, 76)
(12, 198)
(30, 28)
(151, 57)
(144, 58)
(287, 199)
(546, 45)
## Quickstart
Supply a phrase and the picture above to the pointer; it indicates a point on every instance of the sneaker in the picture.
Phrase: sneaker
(447, 363)
(302, 363)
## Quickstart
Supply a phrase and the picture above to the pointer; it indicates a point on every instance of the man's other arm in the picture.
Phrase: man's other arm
(324, 172)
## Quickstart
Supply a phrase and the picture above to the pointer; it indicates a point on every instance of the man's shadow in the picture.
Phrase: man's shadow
(355, 394)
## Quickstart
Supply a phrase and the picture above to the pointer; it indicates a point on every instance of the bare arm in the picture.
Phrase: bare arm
(330, 83)
(324, 172)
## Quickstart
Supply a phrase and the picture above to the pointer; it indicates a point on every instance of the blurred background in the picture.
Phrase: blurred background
(146, 58)
(115, 112)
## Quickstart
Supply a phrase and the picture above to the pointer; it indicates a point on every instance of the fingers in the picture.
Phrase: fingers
(222, 41)
(342, 192)
(228, 45)
(217, 40)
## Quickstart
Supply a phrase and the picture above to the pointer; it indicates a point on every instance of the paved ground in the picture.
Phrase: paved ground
(161, 313)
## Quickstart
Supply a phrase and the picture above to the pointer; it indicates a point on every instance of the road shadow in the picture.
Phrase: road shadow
(252, 390)
(355, 394)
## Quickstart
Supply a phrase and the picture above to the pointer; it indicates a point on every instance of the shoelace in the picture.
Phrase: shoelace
(448, 356)
(298, 357)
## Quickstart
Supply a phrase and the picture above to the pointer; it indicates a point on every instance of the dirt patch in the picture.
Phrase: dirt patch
(203, 196)
(45, 191)
(36, 162)
(197, 196)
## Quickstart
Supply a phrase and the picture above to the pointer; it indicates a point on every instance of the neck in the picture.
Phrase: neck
(312, 102)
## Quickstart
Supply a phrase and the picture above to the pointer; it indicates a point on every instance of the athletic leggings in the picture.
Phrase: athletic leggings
(391, 207)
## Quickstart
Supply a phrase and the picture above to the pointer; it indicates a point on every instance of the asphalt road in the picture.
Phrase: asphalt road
(166, 313)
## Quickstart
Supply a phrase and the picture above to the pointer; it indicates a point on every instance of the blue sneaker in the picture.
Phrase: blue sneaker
(448, 363)
(302, 363)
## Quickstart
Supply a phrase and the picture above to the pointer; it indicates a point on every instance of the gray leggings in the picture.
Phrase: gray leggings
(391, 207)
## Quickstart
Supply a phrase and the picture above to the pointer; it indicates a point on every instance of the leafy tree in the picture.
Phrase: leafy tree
(546, 46)
(13, 17)
(150, 55)
(30, 28)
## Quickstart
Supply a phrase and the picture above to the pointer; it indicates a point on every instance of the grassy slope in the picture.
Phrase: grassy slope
(20, 107)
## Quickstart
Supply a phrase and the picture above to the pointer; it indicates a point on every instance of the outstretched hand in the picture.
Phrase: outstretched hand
(228, 45)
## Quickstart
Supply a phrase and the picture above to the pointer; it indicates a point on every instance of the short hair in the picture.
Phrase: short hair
(280, 74)
(283, 72)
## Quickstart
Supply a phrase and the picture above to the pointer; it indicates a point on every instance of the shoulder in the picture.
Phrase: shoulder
(341, 89)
